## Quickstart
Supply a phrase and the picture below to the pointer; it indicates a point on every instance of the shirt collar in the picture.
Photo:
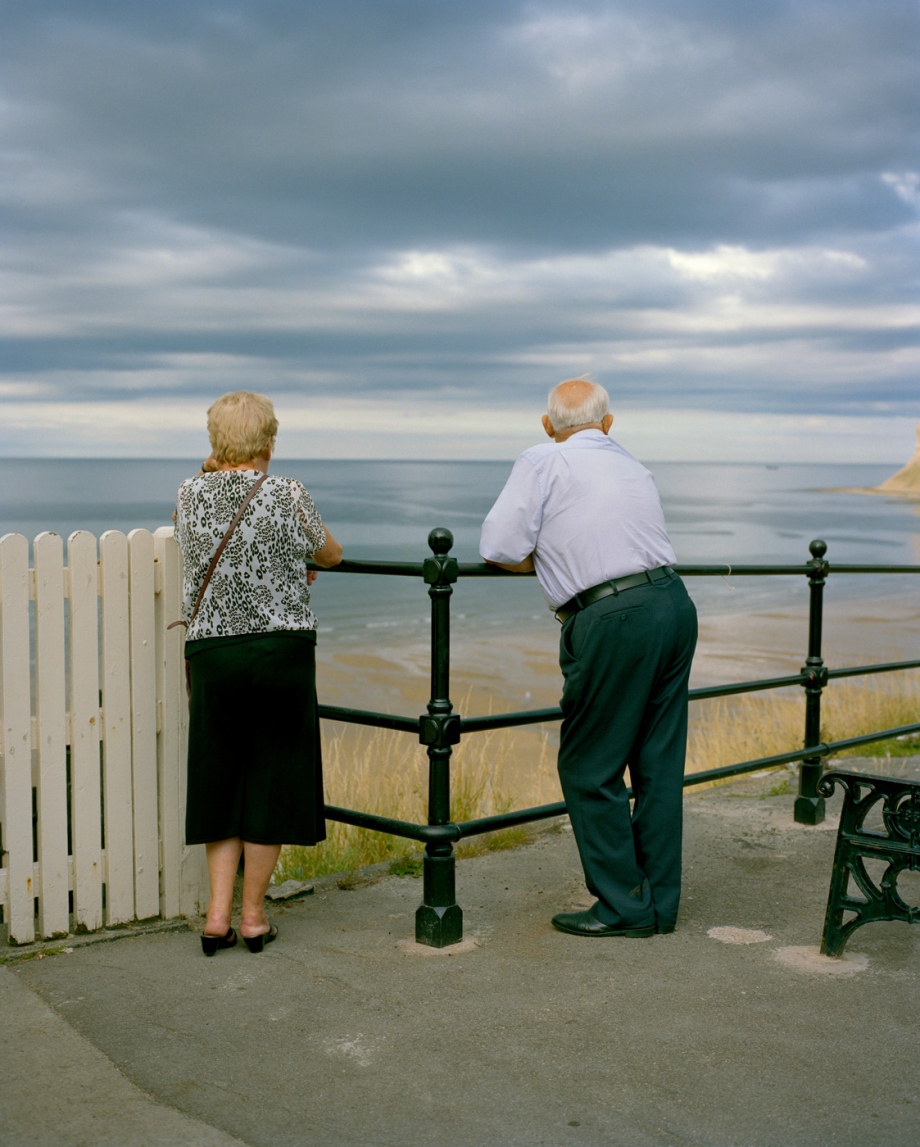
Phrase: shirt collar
(586, 438)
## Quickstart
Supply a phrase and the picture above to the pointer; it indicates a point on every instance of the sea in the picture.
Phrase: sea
(726, 513)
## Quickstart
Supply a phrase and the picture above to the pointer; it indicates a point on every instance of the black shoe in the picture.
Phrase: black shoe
(587, 924)
(664, 929)
(210, 944)
(256, 943)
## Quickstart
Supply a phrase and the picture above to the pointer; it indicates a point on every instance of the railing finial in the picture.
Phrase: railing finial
(440, 540)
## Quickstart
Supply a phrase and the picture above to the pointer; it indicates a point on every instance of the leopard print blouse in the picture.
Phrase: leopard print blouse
(260, 583)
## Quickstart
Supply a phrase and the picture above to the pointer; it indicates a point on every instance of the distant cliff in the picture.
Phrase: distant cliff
(907, 479)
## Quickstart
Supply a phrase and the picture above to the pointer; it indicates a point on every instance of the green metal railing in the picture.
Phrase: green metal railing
(439, 919)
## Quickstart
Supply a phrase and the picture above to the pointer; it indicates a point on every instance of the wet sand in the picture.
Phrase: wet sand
(514, 669)
(506, 670)
(771, 643)
(500, 672)
(497, 673)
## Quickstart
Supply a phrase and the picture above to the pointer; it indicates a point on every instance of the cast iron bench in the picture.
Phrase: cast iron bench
(896, 842)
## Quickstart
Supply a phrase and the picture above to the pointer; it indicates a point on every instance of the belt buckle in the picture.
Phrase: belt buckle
(575, 601)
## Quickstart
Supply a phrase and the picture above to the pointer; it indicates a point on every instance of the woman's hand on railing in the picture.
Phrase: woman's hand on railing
(330, 555)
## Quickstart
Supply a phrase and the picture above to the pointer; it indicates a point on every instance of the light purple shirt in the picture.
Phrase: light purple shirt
(587, 511)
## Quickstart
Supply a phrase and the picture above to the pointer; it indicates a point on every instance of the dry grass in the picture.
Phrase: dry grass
(378, 771)
(730, 729)
(387, 773)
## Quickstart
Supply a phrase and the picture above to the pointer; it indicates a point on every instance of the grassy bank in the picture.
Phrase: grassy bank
(387, 773)
(729, 729)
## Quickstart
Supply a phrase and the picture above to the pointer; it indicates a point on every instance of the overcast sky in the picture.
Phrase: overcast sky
(405, 220)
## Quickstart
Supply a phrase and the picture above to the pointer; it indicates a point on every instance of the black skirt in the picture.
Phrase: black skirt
(254, 761)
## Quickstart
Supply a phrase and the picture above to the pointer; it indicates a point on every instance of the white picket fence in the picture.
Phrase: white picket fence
(90, 674)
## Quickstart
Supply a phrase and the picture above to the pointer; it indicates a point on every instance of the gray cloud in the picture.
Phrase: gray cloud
(716, 201)
(433, 122)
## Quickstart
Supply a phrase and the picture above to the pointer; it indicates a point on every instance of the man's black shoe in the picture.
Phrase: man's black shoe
(664, 929)
(587, 924)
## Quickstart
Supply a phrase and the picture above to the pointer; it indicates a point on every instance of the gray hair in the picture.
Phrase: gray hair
(577, 402)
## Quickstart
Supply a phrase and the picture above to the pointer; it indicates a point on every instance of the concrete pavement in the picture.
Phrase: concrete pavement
(729, 1032)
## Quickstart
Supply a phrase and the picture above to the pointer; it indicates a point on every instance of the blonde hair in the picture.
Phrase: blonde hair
(241, 426)
(576, 402)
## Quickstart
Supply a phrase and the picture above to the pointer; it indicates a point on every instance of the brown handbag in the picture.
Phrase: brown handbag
(211, 568)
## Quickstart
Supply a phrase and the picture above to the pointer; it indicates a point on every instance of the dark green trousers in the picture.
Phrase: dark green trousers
(626, 663)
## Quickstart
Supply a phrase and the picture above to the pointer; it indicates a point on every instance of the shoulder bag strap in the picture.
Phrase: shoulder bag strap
(220, 549)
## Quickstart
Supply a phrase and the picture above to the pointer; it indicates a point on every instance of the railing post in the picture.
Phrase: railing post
(809, 805)
(439, 919)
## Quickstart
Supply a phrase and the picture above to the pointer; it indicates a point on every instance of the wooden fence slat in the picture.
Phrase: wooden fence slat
(16, 742)
(117, 779)
(169, 766)
(85, 781)
(144, 724)
(127, 743)
(51, 737)
(193, 868)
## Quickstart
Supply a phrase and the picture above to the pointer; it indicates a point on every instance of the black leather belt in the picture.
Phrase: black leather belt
(610, 589)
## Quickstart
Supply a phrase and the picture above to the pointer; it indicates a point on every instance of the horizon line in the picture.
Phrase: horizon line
(431, 461)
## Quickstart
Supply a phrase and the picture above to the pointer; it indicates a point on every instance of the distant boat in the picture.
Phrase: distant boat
(907, 479)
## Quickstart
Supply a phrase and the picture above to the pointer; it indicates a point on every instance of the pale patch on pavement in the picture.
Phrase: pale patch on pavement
(809, 959)
(358, 1048)
(730, 935)
(289, 890)
(236, 982)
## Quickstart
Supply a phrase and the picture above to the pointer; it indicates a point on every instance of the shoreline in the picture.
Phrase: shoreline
(877, 492)
(516, 669)
(513, 667)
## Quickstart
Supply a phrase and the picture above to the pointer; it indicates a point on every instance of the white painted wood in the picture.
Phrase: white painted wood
(118, 614)
(172, 705)
(50, 737)
(85, 784)
(117, 778)
(15, 737)
(193, 868)
(144, 724)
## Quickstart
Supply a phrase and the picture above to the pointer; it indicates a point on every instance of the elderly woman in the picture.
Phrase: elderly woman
(254, 765)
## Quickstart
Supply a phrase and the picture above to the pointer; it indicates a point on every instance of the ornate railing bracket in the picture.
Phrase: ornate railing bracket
(439, 730)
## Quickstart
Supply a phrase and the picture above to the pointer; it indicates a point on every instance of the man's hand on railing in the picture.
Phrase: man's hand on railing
(526, 566)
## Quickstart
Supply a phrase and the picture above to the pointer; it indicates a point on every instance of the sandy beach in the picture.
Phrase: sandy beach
(517, 668)
(511, 669)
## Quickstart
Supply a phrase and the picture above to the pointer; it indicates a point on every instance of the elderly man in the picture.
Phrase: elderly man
(584, 514)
